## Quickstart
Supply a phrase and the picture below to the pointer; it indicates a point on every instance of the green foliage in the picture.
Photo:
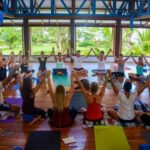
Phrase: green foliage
(136, 41)
(97, 38)
(87, 44)
(44, 38)
(49, 37)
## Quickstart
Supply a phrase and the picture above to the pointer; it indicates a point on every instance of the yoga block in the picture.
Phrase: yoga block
(63, 70)
(144, 146)
(27, 118)
(18, 148)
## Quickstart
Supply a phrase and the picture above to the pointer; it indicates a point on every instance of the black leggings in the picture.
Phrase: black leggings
(39, 112)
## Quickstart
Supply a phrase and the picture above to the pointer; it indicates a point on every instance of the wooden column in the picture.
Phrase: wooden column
(26, 37)
(72, 37)
(117, 38)
(72, 30)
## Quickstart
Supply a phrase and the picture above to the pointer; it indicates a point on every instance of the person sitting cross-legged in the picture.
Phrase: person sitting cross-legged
(60, 115)
(126, 113)
(93, 113)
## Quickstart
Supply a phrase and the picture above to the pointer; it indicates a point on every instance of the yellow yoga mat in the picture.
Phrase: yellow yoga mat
(110, 138)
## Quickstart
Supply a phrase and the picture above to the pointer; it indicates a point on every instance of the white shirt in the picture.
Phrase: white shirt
(101, 65)
(1, 94)
(77, 61)
(119, 85)
(126, 106)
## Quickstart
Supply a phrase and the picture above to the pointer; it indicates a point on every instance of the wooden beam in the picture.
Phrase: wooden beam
(111, 25)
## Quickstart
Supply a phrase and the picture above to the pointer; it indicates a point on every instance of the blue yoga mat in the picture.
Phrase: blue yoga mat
(44, 140)
(61, 80)
(147, 136)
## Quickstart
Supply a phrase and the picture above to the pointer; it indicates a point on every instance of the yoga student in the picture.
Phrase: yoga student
(78, 100)
(120, 62)
(60, 115)
(93, 112)
(25, 72)
(11, 61)
(59, 69)
(28, 95)
(3, 63)
(42, 63)
(78, 63)
(3, 105)
(101, 63)
(126, 113)
(139, 69)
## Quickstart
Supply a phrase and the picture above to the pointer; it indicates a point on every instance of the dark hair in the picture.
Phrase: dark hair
(42, 52)
(23, 56)
(121, 55)
(78, 51)
(86, 84)
(93, 87)
(102, 52)
(127, 86)
(26, 90)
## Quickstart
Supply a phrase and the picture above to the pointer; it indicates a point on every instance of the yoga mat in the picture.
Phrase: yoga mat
(144, 147)
(99, 71)
(110, 138)
(147, 136)
(61, 80)
(10, 119)
(77, 101)
(14, 101)
(43, 140)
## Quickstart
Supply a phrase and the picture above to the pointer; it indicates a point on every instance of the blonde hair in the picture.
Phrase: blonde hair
(59, 98)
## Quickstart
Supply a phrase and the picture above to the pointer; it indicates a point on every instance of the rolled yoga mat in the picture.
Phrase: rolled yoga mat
(110, 138)
(61, 80)
(43, 140)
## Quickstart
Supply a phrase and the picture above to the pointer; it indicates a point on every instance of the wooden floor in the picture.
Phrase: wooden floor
(84, 137)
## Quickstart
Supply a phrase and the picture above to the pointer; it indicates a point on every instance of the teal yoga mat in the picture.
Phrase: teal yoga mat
(61, 80)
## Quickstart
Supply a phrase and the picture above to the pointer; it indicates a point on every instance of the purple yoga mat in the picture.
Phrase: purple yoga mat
(14, 101)
(10, 119)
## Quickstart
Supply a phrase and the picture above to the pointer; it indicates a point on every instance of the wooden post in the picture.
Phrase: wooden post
(26, 37)
(72, 36)
(72, 30)
(117, 38)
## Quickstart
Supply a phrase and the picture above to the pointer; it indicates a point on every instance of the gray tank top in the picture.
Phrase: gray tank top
(120, 67)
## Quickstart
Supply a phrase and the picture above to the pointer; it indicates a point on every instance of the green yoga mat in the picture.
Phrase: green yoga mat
(110, 138)
(63, 80)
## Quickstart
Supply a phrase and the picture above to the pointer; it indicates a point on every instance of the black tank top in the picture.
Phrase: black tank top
(24, 67)
(42, 63)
